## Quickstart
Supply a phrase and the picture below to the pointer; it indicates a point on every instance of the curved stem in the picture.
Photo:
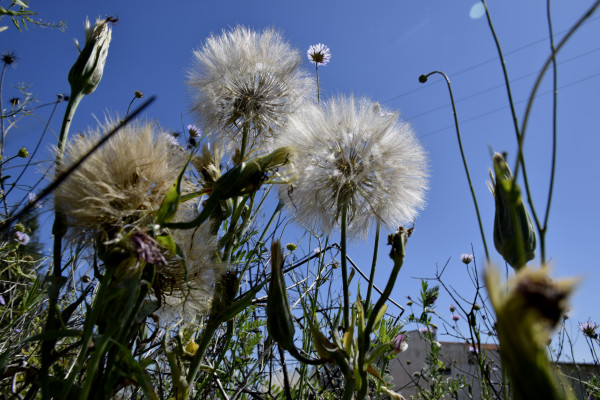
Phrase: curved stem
(554, 136)
(519, 132)
(423, 79)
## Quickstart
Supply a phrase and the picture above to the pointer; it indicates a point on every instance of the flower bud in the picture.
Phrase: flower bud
(87, 70)
(514, 234)
(23, 153)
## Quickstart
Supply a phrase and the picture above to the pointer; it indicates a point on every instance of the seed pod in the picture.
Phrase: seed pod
(280, 322)
(514, 234)
(87, 71)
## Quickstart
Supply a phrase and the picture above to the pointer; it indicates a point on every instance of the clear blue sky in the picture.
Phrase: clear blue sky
(379, 50)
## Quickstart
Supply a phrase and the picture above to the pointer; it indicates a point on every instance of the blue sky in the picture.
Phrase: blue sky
(379, 49)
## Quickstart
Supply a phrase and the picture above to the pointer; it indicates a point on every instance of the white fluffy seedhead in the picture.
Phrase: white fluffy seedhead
(350, 153)
(243, 77)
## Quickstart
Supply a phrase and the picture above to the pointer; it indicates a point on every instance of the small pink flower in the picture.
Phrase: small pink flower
(455, 317)
(399, 343)
(466, 258)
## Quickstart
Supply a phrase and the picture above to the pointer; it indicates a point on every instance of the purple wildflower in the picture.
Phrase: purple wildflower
(588, 328)
(22, 238)
(399, 343)
(427, 329)
(147, 249)
(319, 54)
(455, 317)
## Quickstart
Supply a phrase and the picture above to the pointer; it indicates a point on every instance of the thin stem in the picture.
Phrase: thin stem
(318, 89)
(37, 146)
(2, 134)
(542, 72)
(345, 268)
(423, 79)
(373, 265)
(207, 335)
(518, 132)
(59, 229)
(554, 136)
(245, 133)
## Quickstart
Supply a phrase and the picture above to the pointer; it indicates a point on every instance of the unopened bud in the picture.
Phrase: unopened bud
(23, 153)
(87, 71)
(514, 234)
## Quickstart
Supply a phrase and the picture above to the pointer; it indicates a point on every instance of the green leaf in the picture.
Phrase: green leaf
(166, 241)
(168, 208)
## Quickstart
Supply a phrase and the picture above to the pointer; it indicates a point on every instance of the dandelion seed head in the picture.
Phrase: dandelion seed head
(346, 154)
(189, 280)
(122, 182)
(319, 54)
(247, 78)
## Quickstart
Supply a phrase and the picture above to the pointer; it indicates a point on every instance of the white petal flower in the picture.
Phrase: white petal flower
(348, 153)
(319, 54)
(246, 77)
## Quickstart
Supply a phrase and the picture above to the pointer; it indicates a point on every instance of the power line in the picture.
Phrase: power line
(489, 89)
(493, 59)
(506, 107)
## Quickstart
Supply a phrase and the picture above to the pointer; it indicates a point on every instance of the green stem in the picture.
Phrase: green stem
(245, 133)
(373, 265)
(345, 268)
(554, 136)
(59, 229)
(349, 387)
(423, 79)
(318, 89)
(207, 335)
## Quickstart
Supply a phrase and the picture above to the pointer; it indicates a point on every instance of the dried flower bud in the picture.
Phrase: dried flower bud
(138, 94)
(527, 310)
(87, 71)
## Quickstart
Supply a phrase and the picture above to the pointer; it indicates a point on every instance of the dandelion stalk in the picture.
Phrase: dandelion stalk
(345, 267)
(423, 79)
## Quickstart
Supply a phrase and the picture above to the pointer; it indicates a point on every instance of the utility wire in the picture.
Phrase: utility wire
(500, 85)
(587, 78)
(472, 67)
